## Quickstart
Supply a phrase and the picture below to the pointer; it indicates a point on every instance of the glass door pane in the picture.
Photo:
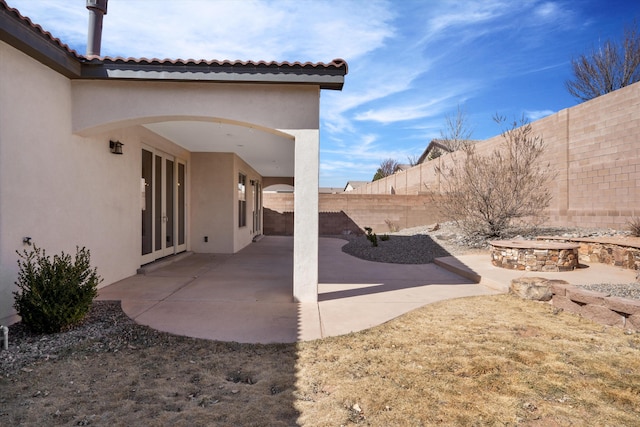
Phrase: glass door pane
(146, 189)
(181, 204)
(169, 206)
(158, 211)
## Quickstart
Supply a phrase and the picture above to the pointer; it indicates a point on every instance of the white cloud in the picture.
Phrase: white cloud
(395, 114)
(547, 10)
(222, 29)
(534, 115)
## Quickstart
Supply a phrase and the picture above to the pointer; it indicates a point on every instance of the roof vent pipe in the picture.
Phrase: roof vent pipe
(97, 9)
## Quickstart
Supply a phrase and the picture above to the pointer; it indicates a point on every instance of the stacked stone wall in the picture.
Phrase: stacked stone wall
(596, 306)
(622, 252)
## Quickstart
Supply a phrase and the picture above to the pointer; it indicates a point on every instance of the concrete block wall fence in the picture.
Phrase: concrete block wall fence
(350, 213)
(594, 147)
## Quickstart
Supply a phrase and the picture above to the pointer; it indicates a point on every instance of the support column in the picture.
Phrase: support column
(306, 215)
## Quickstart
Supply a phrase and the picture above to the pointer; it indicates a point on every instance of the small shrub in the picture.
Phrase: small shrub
(634, 226)
(54, 295)
(384, 237)
(371, 236)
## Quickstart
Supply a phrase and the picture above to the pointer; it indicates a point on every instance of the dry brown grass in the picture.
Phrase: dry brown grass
(476, 361)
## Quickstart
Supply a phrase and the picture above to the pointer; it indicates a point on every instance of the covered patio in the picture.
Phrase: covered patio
(246, 296)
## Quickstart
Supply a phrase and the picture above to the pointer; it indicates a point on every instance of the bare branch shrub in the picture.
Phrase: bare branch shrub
(455, 136)
(488, 194)
(458, 131)
(609, 67)
(387, 167)
(413, 159)
(634, 226)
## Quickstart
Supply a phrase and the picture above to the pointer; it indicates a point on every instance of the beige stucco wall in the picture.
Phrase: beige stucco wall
(243, 235)
(127, 101)
(60, 189)
(214, 203)
(595, 149)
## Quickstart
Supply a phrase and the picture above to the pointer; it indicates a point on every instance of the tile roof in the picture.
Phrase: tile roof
(15, 13)
(22, 33)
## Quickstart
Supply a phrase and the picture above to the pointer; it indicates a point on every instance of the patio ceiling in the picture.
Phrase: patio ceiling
(269, 154)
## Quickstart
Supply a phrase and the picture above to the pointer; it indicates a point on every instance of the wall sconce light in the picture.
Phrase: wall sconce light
(116, 147)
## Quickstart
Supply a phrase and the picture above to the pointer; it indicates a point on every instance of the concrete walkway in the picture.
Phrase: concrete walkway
(247, 296)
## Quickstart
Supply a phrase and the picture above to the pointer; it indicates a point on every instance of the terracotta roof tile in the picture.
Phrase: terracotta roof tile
(37, 28)
(336, 64)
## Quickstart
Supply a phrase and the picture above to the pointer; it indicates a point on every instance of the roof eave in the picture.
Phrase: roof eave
(36, 44)
(231, 74)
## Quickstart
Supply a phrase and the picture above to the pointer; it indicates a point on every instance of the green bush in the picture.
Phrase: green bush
(371, 236)
(54, 295)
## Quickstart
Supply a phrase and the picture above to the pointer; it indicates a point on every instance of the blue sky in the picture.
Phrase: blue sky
(411, 62)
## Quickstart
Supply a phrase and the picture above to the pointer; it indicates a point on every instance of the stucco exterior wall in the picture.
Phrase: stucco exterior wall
(120, 101)
(60, 189)
(595, 149)
(214, 203)
(244, 235)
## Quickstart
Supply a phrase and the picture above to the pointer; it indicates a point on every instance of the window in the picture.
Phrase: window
(242, 200)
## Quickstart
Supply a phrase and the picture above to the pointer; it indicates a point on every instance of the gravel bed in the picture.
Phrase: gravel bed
(418, 249)
(106, 328)
(622, 290)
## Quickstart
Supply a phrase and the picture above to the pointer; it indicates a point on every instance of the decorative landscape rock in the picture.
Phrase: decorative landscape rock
(597, 306)
(529, 255)
(532, 288)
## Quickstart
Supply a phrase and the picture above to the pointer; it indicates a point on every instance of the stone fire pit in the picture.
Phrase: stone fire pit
(530, 255)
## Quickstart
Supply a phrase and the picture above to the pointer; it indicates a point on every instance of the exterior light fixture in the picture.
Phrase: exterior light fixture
(116, 147)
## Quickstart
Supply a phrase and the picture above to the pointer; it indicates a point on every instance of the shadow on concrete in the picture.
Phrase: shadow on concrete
(330, 224)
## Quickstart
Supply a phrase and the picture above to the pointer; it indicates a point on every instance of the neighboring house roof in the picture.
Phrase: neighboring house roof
(330, 190)
(20, 32)
(352, 185)
(402, 167)
(435, 143)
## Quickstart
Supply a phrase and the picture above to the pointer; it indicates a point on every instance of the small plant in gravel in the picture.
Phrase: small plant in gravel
(54, 294)
(371, 236)
(634, 226)
(384, 237)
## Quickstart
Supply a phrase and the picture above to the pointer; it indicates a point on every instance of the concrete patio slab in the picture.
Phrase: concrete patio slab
(247, 297)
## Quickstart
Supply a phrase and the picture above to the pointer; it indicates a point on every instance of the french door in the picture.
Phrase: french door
(163, 205)
(257, 207)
